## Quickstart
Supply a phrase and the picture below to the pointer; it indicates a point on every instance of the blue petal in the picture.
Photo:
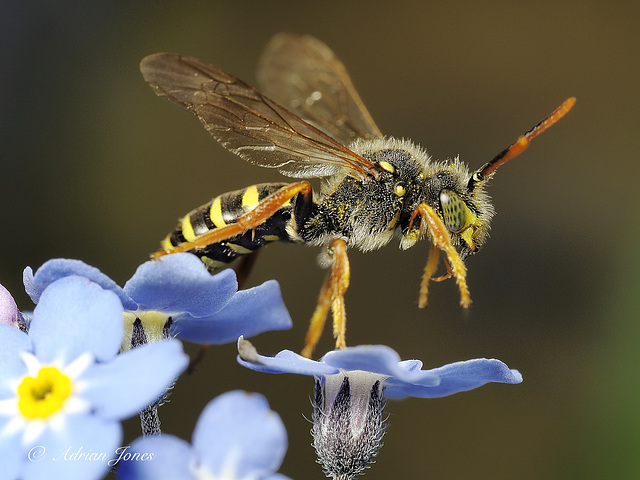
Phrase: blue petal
(13, 455)
(238, 432)
(248, 313)
(180, 283)
(81, 450)
(455, 377)
(287, 361)
(411, 365)
(58, 268)
(165, 458)
(12, 341)
(379, 359)
(75, 316)
(403, 378)
(134, 379)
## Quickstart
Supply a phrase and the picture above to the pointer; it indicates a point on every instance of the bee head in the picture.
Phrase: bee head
(466, 214)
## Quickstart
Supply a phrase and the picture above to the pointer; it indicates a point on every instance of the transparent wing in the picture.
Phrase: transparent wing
(305, 76)
(248, 123)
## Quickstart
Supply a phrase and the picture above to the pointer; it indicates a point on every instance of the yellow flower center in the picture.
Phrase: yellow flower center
(44, 395)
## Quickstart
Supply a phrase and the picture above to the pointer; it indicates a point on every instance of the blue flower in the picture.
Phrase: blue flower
(401, 379)
(64, 387)
(175, 295)
(237, 437)
(350, 388)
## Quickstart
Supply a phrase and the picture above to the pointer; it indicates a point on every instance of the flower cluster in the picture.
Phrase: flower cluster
(93, 354)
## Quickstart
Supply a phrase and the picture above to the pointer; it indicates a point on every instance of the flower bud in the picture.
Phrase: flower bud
(347, 422)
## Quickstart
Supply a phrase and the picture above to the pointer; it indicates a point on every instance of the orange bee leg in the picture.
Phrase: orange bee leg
(250, 220)
(340, 277)
(331, 297)
(318, 319)
(429, 270)
(445, 276)
(441, 240)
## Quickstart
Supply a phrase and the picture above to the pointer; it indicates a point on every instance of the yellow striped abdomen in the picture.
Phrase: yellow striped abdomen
(223, 210)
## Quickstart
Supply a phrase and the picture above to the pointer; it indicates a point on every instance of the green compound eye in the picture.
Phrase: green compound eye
(454, 211)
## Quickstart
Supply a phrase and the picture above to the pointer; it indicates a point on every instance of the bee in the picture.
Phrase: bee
(311, 123)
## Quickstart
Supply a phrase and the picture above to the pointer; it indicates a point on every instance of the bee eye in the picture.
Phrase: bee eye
(454, 211)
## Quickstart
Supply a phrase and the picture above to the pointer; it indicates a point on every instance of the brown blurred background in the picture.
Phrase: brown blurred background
(96, 167)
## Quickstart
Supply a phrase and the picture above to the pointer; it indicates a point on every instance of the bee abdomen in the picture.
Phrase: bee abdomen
(223, 210)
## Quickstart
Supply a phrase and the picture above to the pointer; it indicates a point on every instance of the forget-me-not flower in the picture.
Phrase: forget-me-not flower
(350, 387)
(176, 296)
(64, 387)
(237, 437)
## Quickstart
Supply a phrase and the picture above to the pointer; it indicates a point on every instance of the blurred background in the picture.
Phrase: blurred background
(96, 167)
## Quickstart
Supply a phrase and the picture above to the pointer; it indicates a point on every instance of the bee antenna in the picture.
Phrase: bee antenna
(519, 145)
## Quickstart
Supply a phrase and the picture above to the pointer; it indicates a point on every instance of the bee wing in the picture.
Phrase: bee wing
(246, 122)
(305, 76)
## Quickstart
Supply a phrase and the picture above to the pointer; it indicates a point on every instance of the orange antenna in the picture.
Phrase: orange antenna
(521, 144)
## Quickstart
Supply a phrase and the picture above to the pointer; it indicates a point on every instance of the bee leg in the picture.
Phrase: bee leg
(318, 319)
(250, 220)
(446, 276)
(441, 239)
(197, 358)
(340, 277)
(245, 266)
(429, 270)
(331, 297)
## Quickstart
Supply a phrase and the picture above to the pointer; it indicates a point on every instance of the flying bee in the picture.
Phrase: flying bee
(372, 188)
